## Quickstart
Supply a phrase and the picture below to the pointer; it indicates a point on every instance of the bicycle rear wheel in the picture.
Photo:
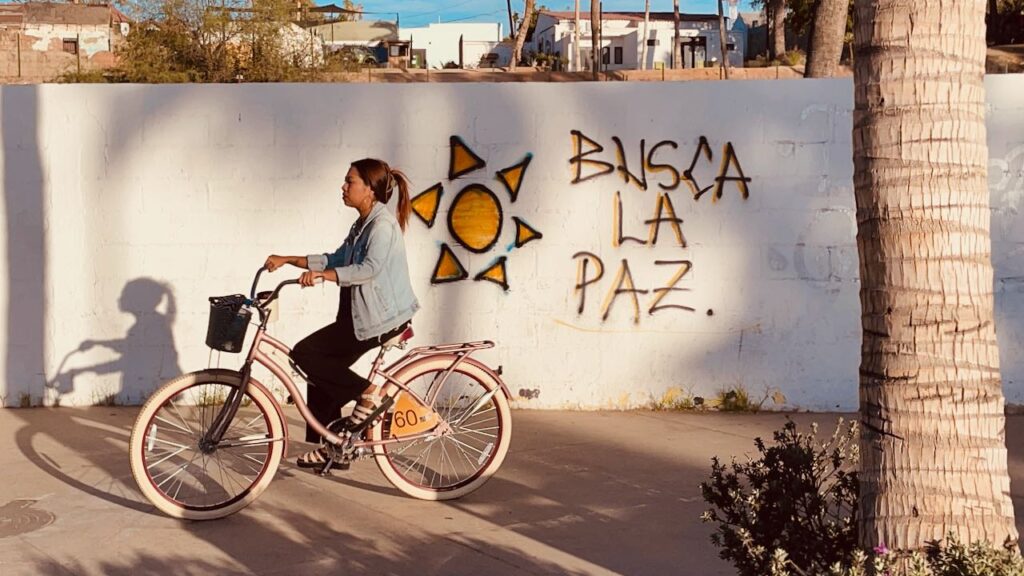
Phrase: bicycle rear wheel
(182, 479)
(451, 464)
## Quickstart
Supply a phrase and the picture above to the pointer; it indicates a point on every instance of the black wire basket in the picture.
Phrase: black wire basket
(229, 320)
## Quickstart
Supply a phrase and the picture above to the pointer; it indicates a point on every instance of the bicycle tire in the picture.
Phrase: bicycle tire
(164, 422)
(393, 462)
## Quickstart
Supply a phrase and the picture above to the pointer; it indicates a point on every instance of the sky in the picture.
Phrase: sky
(423, 12)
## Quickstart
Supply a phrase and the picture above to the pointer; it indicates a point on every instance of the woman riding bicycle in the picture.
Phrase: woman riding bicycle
(376, 302)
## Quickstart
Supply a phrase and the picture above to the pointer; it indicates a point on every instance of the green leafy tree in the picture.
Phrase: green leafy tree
(205, 41)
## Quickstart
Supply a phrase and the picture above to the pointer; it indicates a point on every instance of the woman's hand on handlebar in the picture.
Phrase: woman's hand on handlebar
(274, 262)
(311, 278)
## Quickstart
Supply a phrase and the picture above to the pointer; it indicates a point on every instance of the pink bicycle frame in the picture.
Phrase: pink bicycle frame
(460, 351)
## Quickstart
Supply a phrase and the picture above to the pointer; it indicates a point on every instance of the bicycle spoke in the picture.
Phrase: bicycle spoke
(222, 468)
(162, 441)
(415, 461)
(169, 423)
(242, 458)
(180, 417)
(472, 409)
(178, 471)
(458, 448)
(463, 444)
(168, 457)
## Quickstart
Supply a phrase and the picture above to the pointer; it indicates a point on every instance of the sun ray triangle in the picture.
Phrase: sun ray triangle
(495, 273)
(448, 268)
(463, 160)
(425, 204)
(524, 233)
(512, 177)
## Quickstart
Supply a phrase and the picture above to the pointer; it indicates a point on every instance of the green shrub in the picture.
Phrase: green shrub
(793, 512)
(793, 58)
(951, 558)
(800, 496)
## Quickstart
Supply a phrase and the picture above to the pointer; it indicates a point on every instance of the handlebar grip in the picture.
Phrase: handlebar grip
(255, 282)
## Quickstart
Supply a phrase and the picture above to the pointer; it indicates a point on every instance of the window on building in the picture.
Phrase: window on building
(618, 54)
(71, 45)
(652, 42)
(396, 51)
(605, 53)
(730, 46)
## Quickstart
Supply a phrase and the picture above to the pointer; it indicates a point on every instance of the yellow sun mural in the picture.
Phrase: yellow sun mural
(476, 216)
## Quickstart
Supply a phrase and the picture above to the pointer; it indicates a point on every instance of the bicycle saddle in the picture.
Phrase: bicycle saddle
(400, 339)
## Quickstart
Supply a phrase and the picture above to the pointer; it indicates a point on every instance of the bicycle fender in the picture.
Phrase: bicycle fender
(493, 374)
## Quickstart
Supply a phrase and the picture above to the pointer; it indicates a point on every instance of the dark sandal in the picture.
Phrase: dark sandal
(369, 407)
(313, 459)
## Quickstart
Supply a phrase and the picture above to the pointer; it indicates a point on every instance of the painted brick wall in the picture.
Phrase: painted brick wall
(127, 206)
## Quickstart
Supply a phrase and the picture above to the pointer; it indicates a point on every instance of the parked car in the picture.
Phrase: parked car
(360, 55)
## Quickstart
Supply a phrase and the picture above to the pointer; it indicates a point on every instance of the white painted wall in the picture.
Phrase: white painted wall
(119, 199)
(91, 39)
(441, 41)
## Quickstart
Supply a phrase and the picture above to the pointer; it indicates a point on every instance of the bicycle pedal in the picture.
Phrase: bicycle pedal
(325, 470)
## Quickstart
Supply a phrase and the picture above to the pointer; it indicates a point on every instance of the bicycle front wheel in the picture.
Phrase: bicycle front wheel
(186, 480)
(451, 464)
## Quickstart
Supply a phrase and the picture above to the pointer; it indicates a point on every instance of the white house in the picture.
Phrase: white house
(462, 43)
(621, 36)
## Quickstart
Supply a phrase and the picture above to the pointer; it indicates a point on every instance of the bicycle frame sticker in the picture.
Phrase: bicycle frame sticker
(410, 417)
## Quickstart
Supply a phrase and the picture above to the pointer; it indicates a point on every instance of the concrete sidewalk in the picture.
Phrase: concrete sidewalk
(580, 493)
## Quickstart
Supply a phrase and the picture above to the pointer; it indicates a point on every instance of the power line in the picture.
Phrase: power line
(445, 9)
(491, 13)
(476, 16)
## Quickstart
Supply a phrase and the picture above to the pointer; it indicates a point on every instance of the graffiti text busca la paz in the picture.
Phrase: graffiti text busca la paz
(589, 161)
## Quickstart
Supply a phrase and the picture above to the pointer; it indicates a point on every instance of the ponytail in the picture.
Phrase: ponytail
(404, 204)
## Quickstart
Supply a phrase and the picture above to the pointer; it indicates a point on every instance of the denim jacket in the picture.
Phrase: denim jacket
(373, 261)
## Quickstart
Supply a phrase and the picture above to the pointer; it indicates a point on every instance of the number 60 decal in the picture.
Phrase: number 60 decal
(411, 417)
(404, 419)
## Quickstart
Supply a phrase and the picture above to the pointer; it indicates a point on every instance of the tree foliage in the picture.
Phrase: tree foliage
(800, 16)
(207, 41)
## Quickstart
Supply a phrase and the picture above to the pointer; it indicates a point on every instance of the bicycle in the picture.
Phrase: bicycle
(208, 443)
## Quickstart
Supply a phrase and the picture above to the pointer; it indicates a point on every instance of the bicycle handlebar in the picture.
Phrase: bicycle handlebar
(274, 294)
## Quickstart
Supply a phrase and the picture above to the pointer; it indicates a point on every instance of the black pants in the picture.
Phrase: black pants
(326, 356)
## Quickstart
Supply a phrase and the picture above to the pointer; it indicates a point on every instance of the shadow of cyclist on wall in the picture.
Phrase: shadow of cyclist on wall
(145, 356)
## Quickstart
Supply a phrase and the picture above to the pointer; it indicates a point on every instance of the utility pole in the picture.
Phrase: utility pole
(643, 45)
(511, 23)
(675, 42)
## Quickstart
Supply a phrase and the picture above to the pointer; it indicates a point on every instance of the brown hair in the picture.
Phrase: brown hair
(383, 179)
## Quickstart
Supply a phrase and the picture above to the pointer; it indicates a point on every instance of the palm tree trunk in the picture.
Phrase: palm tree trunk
(643, 38)
(777, 43)
(723, 41)
(524, 27)
(828, 30)
(676, 52)
(577, 54)
(933, 451)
